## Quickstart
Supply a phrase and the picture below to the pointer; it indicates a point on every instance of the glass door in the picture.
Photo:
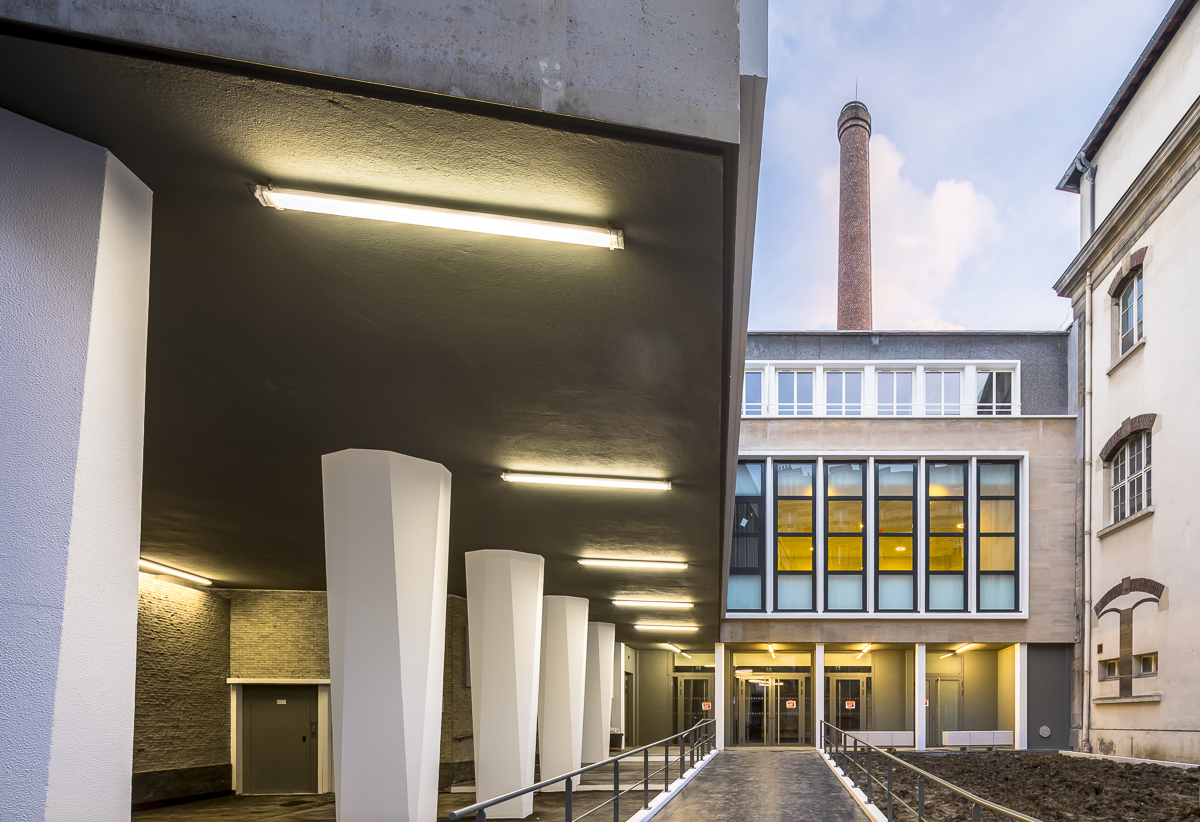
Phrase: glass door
(753, 713)
(945, 710)
(849, 702)
(787, 723)
(692, 693)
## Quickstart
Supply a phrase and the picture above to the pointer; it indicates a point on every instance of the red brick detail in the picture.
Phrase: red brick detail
(1141, 585)
(854, 219)
(1135, 266)
(1131, 426)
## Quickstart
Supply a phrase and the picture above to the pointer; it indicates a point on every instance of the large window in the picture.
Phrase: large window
(845, 583)
(1131, 477)
(1130, 305)
(795, 392)
(752, 397)
(945, 526)
(943, 392)
(895, 392)
(843, 392)
(746, 565)
(795, 494)
(997, 536)
(895, 546)
(994, 394)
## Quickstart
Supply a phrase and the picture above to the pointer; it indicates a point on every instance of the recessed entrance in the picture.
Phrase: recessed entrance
(773, 709)
(945, 711)
(849, 701)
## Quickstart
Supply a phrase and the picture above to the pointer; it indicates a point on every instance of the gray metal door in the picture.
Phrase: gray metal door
(945, 708)
(280, 744)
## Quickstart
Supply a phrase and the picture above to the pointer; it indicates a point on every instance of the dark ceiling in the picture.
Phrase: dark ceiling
(276, 337)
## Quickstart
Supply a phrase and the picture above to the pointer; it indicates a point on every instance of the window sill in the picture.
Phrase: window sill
(1137, 346)
(1121, 700)
(1148, 511)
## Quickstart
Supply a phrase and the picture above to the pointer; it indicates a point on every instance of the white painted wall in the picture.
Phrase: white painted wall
(1164, 97)
(618, 700)
(597, 692)
(560, 696)
(387, 546)
(74, 279)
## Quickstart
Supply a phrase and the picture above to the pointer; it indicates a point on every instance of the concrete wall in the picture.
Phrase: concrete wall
(980, 691)
(670, 65)
(181, 714)
(1160, 103)
(278, 634)
(1006, 706)
(1043, 354)
(892, 690)
(655, 681)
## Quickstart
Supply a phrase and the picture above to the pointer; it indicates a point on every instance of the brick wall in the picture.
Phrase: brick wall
(181, 709)
(278, 634)
(458, 745)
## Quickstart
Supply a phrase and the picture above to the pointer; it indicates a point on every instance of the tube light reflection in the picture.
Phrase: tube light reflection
(649, 603)
(647, 626)
(175, 572)
(588, 482)
(678, 650)
(634, 563)
(288, 199)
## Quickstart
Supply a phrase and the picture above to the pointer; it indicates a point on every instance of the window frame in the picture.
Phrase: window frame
(980, 534)
(965, 573)
(994, 408)
(942, 405)
(810, 406)
(894, 407)
(1138, 660)
(826, 532)
(776, 571)
(1120, 467)
(762, 382)
(843, 405)
(1134, 292)
(761, 499)
(877, 534)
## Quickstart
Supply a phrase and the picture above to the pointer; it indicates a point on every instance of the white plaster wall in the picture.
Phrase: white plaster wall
(669, 65)
(1164, 97)
(597, 695)
(74, 273)
(1164, 545)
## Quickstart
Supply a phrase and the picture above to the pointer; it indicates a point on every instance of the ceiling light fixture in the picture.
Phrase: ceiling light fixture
(635, 563)
(649, 603)
(588, 482)
(162, 569)
(647, 626)
(960, 650)
(771, 648)
(866, 648)
(678, 650)
(288, 199)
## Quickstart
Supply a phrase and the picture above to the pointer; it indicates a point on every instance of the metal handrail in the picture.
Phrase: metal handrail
(695, 741)
(843, 752)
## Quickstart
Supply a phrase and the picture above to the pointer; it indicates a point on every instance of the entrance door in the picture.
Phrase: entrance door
(850, 702)
(772, 710)
(945, 711)
(280, 741)
(787, 723)
(629, 735)
(690, 695)
(754, 711)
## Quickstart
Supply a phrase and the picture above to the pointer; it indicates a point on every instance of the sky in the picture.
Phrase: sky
(977, 109)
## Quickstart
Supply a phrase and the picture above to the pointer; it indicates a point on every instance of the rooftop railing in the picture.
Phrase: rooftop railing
(693, 745)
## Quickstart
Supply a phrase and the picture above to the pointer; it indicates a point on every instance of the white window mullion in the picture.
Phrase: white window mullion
(819, 535)
(921, 546)
(819, 407)
(919, 391)
(868, 534)
(769, 525)
(971, 542)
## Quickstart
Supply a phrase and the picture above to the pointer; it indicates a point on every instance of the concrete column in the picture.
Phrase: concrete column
(74, 269)
(719, 699)
(387, 545)
(818, 679)
(618, 700)
(921, 709)
(597, 693)
(1021, 692)
(504, 624)
(560, 697)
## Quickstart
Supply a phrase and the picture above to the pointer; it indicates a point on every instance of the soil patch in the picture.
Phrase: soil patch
(1054, 788)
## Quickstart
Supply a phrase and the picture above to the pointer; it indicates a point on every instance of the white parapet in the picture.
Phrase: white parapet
(597, 693)
(560, 699)
(504, 624)
(387, 543)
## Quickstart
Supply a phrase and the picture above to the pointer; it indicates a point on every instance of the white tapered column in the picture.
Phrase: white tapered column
(719, 697)
(597, 694)
(560, 697)
(504, 623)
(387, 544)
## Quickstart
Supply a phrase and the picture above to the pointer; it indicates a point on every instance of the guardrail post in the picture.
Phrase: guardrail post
(481, 815)
(617, 791)
(889, 791)
(976, 812)
(854, 757)
(920, 799)
(646, 778)
(570, 785)
(667, 765)
(870, 791)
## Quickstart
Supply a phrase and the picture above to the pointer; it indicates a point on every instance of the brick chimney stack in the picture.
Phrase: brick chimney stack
(854, 220)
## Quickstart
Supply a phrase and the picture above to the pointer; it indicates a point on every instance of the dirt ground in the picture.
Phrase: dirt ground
(1052, 787)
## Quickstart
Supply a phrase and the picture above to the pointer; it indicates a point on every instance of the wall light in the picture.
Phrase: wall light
(866, 648)
(589, 482)
(649, 603)
(287, 199)
(635, 563)
(678, 650)
(960, 650)
(645, 626)
(162, 569)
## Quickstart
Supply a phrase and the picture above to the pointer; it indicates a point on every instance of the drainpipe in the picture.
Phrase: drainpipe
(1086, 743)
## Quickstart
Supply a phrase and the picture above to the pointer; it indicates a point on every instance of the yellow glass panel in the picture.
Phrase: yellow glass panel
(946, 517)
(945, 553)
(997, 516)
(895, 516)
(997, 553)
(845, 516)
(845, 554)
(795, 516)
(795, 553)
(895, 554)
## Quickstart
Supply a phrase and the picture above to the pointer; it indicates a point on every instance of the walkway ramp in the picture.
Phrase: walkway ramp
(763, 785)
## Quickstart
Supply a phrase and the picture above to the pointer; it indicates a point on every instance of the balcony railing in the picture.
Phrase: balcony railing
(866, 409)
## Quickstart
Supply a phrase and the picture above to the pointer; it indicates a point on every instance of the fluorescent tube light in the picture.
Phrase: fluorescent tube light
(590, 482)
(866, 648)
(678, 650)
(960, 650)
(162, 569)
(649, 603)
(771, 648)
(635, 563)
(287, 199)
(645, 626)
